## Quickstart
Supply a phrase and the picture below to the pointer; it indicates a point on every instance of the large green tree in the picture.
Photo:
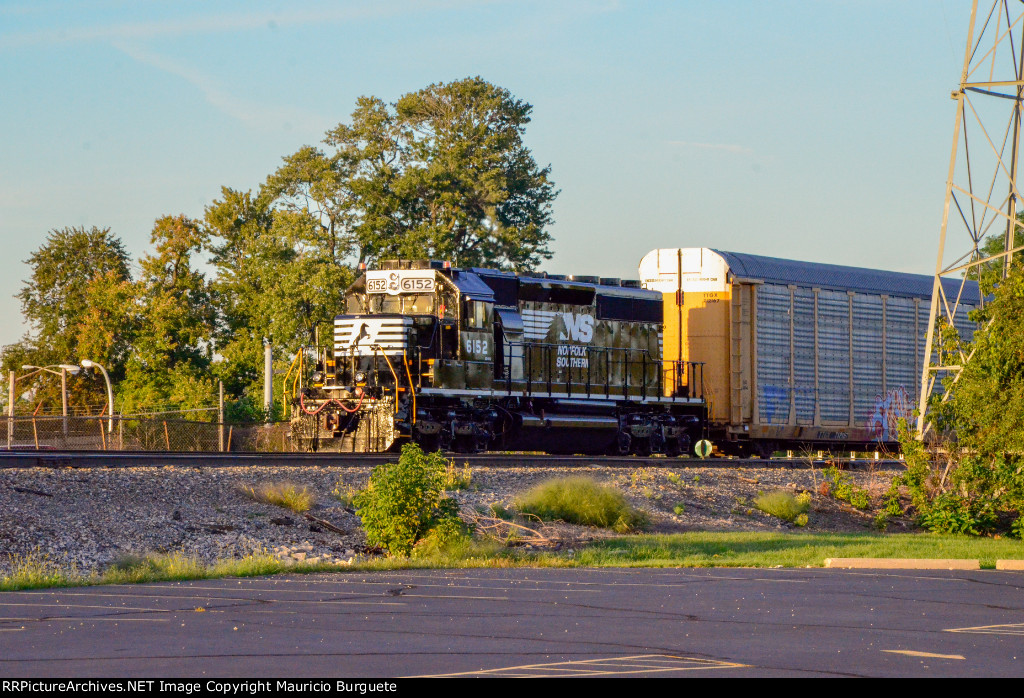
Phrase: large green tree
(443, 172)
(173, 343)
(55, 297)
(983, 408)
(77, 300)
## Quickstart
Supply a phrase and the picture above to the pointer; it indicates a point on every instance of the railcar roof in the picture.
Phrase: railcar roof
(835, 276)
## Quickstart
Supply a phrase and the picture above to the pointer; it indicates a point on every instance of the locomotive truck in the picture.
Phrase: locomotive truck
(480, 359)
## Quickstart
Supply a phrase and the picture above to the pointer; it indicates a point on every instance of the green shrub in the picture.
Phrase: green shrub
(298, 498)
(949, 513)
(784, 505)
(893, 507)
(843, 488)
(1017, 528)
(404, 501)
(679, 509)
(581, 500)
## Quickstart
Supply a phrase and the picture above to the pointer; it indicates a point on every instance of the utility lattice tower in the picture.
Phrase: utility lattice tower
(982, 193)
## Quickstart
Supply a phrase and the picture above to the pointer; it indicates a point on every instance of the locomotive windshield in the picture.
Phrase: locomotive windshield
(403, 304)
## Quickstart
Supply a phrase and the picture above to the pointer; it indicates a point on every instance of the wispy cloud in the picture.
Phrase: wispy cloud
(727, 147)
(207, 24)
(256, 116)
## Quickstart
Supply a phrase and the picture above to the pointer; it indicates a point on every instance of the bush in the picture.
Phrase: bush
(581, 500)
(949, 513)
(785, 505)
(404, 501)
(842, 487)
(298, 498)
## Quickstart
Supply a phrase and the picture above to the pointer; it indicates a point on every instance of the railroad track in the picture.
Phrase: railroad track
(141, 459)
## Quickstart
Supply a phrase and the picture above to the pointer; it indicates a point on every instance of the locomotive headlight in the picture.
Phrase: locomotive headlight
(318, 377)
(360, 377)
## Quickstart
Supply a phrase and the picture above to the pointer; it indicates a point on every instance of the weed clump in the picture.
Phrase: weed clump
(842, 487)
(406, 500)
(457, 479)
(785, 505)
(581, 500)
(298, 498)
(36, 570)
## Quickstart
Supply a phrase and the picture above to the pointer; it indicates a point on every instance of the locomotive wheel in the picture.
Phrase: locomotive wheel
(684, 444)
(429, 443)
(643, 447)
(623, 443)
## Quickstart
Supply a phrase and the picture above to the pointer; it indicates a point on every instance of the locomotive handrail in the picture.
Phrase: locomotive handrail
(547, 349)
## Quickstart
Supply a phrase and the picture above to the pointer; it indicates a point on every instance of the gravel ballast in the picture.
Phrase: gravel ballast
(89, 518)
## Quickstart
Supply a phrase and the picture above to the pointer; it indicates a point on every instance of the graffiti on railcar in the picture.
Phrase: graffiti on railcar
(889, 409)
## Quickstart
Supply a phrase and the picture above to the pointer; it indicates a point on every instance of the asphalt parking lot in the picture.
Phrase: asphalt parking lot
(527, 622)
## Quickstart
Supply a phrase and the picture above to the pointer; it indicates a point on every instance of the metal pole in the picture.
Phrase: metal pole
(10, 412)
(64, 398)
(110, 400)
(926, 368)
(268, 379)
(220, 417)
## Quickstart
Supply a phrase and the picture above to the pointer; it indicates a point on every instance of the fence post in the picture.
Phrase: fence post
(220, 418)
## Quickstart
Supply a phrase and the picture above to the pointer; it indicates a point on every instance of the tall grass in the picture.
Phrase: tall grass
(37, 570)
(298, 498)
(581, 500)
(785, 505)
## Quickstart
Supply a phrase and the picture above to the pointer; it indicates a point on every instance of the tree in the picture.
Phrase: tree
(77, 301)
(441, 173)
(55, 298)
(473, 191)
(172, 352)
(984, 409)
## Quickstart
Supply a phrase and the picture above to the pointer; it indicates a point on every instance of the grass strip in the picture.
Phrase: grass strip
(697, 549)
(757, 549)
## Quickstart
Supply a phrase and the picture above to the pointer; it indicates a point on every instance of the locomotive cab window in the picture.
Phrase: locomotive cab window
(476, 314)
(417, 304)
(421, 304)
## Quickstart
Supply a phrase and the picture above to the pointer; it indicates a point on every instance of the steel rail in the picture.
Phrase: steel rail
(142, 459)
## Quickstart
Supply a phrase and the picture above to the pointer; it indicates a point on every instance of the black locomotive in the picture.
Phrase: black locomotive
(479, 359)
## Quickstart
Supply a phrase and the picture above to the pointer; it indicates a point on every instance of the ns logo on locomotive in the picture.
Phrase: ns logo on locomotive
(480, 359)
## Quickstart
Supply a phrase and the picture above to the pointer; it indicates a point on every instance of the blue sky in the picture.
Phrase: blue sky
(808, 130)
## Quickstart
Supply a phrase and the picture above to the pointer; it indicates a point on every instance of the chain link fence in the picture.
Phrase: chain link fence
(133, 433)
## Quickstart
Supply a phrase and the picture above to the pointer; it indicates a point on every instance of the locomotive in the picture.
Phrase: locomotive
(480, 359)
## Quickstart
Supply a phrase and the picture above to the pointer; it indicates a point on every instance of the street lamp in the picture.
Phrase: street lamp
(65, 369)
(110, 391)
